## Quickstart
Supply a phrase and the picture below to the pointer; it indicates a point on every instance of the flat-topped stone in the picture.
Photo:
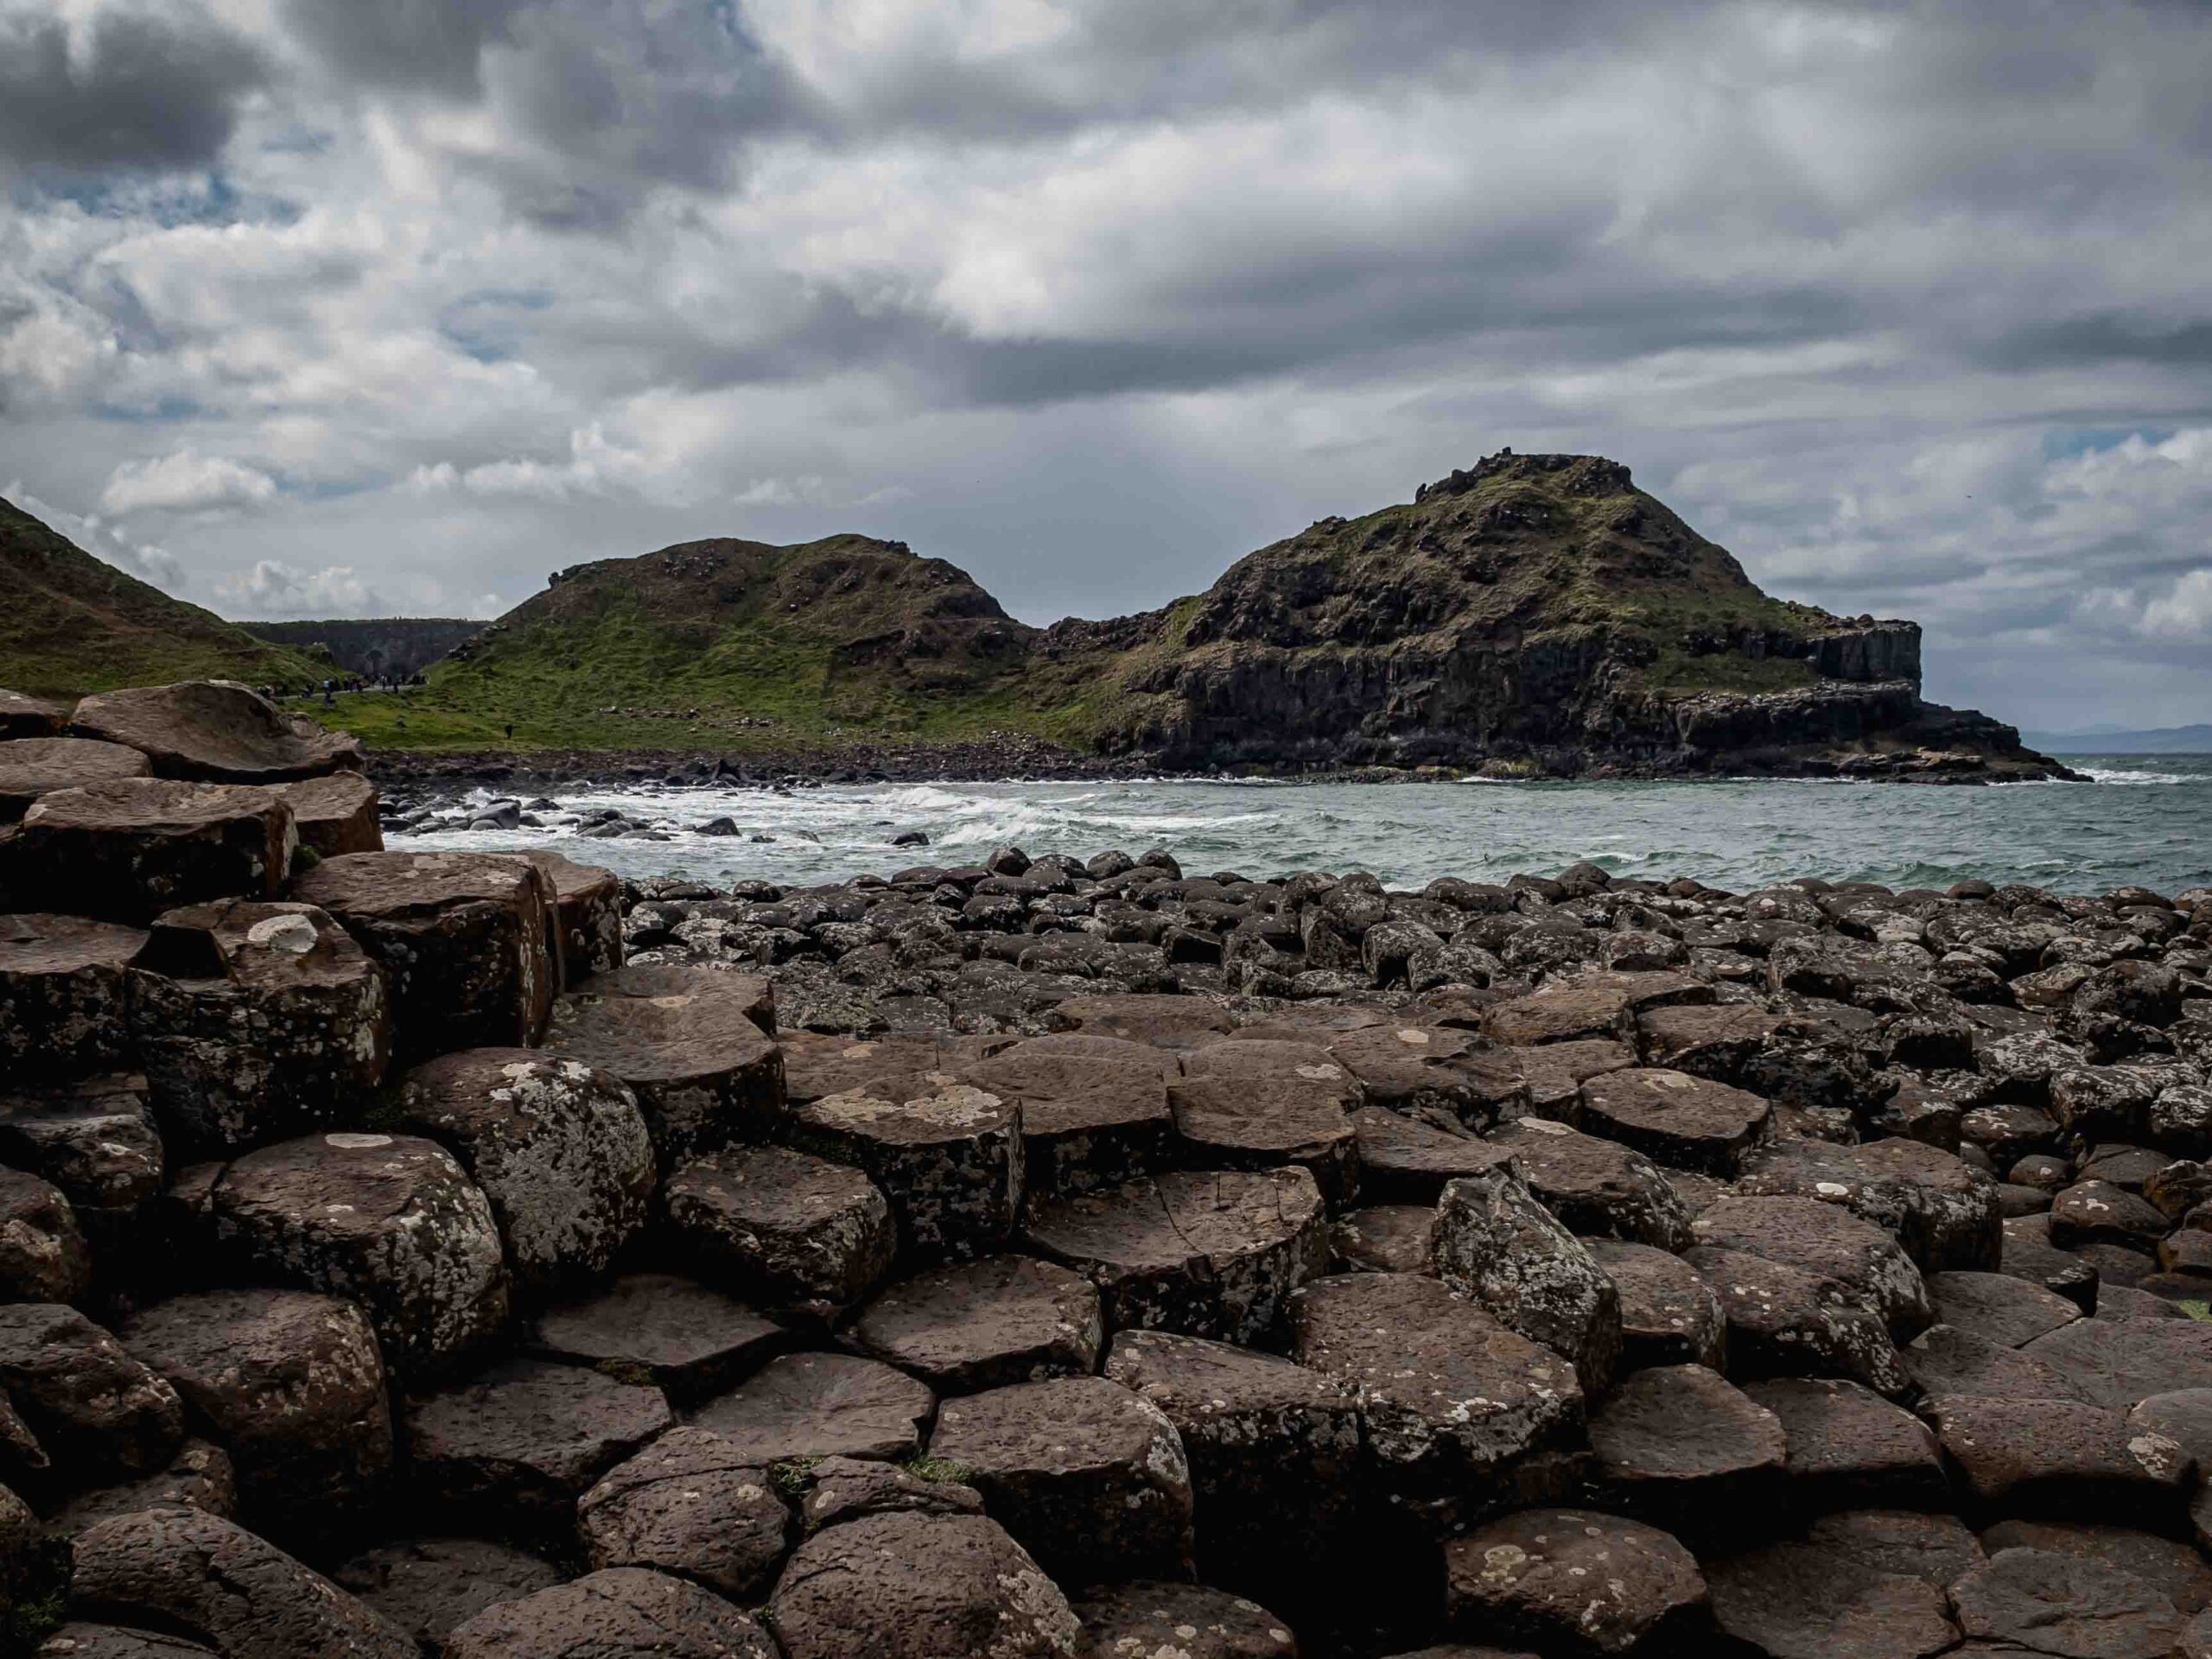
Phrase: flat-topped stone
(985, 1324)
(61, 994)
(32, 766)
(1094, 1108)
(788, 1232)
(1384, 1238)
(2060, 1459)
(1782, 1322)
(132, 847)
(588, 913)
(822, 1406)
(2046, 1602)
(212, 730)
(1802, 1601)
(1573, 1582)
(96, 1411)
(255, 1020)
(1156, 1616)
(1256, 1104)
(1432, 1068)
(23, 715)
(1868, 1267)
(1681, 1448)
(690, 1504)
(1170, 1022)
(685, 1337)
(1597, 1188)
(466, 938)
(95, 1140)
(1669, 1315)
(947, 1160)
(1207, 1254)
(1998, 1307)
(335, 814)
(2120, 1363)
(43, 1254)
(1947, 1214)
(428, 1586)
(1674, 1118)
(1406, 1159)
(624, 1612)
(1848, 1446)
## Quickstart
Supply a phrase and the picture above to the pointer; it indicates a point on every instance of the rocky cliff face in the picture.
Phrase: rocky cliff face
(1534, 612)
(376, 645)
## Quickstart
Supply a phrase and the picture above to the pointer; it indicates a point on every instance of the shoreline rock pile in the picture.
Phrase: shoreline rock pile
(477, 1255)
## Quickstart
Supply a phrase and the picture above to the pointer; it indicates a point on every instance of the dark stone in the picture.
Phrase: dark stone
(1847, 1447)
(1255, 1105)
(690, 1504)
(43, 1254)
(1681, 1447)
(1802, 1601)
(61, 994)
(426, 1587)
(680, 1335)
(1782, 1322)
(1406, 1159)
(1998, 1307)
(985, 1324)
(1094, 1109)
(1669, 1315)
(32, 766)
(1498, 1247)
(96, 1411)
(2120, 1364)
(213, 730)
(1690, 1122)
(948, 1159)
(790, 1232)
(2068, 1605)
(1946, 1214)
(1599, 1189)
(2174, 1569)
(1867, 1267)
(334, 815)
(95, 1142)
(128, 850)
(624, 1612)
(2054, 1458)
(1384, 1238)
(587, 912)
(1153, 1617)
(1572, 1581)
(822, 1406)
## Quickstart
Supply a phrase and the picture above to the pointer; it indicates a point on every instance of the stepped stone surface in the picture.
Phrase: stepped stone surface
(985, 1324)
(947, 1160)
(688, 1339)
(128, 849)
(688, 1504)
(32, 766)
(334, 815)
(620, 1613)
(1573, 1581)
(1094, 1109)
(822, 1406)
(588, 913)
(215, 731)
(61, 994)
(788, 1230)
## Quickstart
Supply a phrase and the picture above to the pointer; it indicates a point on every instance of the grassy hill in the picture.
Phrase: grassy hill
(70, 624)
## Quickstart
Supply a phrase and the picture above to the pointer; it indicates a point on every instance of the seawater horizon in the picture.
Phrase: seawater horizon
(2140, 822)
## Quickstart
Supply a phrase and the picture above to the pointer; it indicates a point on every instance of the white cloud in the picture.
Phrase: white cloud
(184, 482)
(273, 588)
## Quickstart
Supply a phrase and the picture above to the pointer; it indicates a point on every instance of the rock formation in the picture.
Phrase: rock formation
(476, 1256)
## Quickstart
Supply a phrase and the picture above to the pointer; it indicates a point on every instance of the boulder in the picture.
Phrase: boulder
(802, 1406)
(43, 1254)
(97, 1412)
(1460, 1415)
(909, 1585)
(426, 1587)
(1432, 1069)
(1094, 1109)
(466, 938)
(389, 1222)
(130, 849)
(790, 1232)
(1599, 1189)
(1573, 1581)
(516, 1446)
(588, 913)
(1784, 1321)
(2060, 1459)
(1670, 1316)
(1681, 1448)
(95, 1142)
(1867, 1267)
(1207, 1254)
(1152, 1616)
(292, 1384)
(256, 1020)
(946, 1156)
(61, 994)
(214, 730)
(1686, 1121)
(624, 1612)
(560, 1150)
(189, 1572)
(985, 1324)
(335, 814)
(1089, 1476)
(1499, 1248)
(23, 715)
(1406, 1159)
(1946, 1213)
(691, 1505)
(684, 1039)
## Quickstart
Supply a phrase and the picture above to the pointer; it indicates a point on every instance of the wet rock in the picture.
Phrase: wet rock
(918, 1586)
(688, 1504)
(1679, 1447)
(1088, 1475)
(586, 913)
(1998, 1307)
(1669, 1315)
(128, 850)
(703, 1073)
(624, 1612)
(1384, 1238)
(1209, 1254)
(1945, 1213)
(1573, 1581)
(516, 1444)
(2120, 1364)
(947, 1158)
(1785, 1322)
(1866, 1265)
(821, 1406)
(185, 1571)
(212, 730)
(1155, 1617)
(465, 938)
(61, 996)
(43, 1255)
(2056, 1458)
(292, 1384)
(335, 814)
(985, 1324)
(1459, 1413)
(1256, 1105)
(1274, 1454)
(1406, 1159)
(1674, 1118)
(389, 1222)
(256, 1020)
(2048, 1603)
(560, 1150)
(1847, 1446)
(1498, 1247)
(96, 1411)
(426, 1587)
(786, 1230)
(1094, 1109)
(1801, 1601)
(1597, 1189)
(680, 1335)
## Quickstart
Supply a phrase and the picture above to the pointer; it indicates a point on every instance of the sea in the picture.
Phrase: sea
(2144, 819)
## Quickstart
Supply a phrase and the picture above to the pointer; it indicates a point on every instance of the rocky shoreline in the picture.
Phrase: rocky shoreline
(480, 1256)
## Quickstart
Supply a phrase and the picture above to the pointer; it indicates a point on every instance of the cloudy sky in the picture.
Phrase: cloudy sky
(356, 307)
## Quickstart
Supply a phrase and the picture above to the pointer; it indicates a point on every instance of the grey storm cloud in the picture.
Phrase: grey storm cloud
(351, 303)
(153, 87)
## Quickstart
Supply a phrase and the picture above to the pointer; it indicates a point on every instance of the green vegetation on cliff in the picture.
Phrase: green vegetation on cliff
(71, 623)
